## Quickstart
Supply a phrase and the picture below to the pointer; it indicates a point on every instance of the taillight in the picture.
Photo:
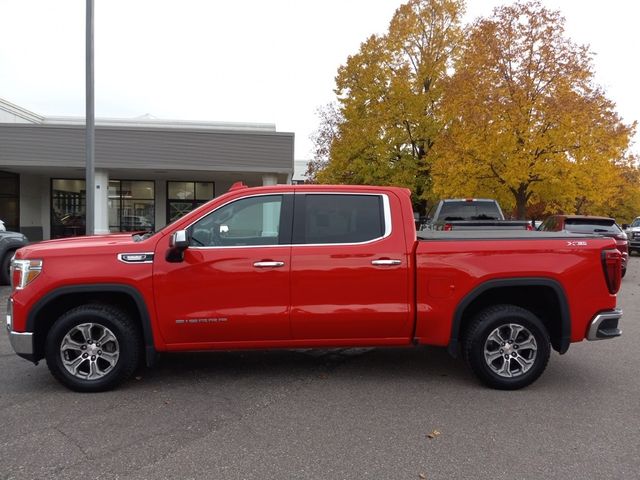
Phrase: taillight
(529, 226)
(612, 266)
(447, 227)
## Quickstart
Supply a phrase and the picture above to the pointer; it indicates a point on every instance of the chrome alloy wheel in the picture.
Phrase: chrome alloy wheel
(510, 350)
(89, 351)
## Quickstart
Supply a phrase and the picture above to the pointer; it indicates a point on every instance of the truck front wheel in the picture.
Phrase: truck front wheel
(92, 348)
(507, 347)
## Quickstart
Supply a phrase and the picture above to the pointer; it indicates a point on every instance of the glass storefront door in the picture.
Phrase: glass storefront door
(10, 200)
(68, 205)
(131, 205)
(182, 197)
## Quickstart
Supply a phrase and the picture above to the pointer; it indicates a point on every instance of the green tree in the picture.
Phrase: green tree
(525, 121)
(387, 118)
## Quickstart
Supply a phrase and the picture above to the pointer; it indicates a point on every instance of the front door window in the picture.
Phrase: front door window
(250, 221)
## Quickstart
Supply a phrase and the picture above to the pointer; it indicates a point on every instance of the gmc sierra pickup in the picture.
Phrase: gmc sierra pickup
(309, 266)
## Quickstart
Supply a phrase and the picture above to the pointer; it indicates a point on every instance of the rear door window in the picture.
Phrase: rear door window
(338, 218)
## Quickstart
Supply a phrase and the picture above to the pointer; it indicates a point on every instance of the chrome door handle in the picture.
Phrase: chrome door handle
(268, 264)
(386, 262)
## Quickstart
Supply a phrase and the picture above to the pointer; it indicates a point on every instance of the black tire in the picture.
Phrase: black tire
(624, 272)
(527, 360)
(5, 278)
(114, 365)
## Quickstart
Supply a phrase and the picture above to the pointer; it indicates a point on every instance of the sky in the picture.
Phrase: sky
(244, 61)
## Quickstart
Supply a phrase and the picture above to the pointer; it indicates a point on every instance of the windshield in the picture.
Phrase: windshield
(474, 210)
(636, 222)
(144, 235)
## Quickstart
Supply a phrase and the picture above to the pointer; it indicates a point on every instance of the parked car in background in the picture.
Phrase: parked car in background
(589, 224)
(470, 214)
(9, 243)
(633, 235)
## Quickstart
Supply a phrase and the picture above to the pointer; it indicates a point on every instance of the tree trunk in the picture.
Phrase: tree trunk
(522, 198)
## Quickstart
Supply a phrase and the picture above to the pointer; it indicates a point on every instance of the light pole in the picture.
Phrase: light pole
(90, 181)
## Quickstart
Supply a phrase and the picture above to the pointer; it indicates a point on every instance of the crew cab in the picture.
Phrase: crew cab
(310, 266)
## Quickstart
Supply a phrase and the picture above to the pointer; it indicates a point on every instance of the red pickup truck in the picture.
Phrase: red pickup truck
(310, 266)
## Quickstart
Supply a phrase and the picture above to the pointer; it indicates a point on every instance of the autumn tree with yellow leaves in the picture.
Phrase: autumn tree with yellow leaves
(507, 108)
(386, 120)
(525, 121)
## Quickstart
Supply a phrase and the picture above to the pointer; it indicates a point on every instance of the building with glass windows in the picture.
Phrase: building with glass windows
(148, 171)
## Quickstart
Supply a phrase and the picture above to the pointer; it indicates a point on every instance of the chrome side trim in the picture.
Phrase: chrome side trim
(594, 325)
(9, 314)
(136, 257)
(386, 205)
(22, 342)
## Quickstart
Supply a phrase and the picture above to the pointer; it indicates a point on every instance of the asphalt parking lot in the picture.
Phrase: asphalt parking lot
(350, 414)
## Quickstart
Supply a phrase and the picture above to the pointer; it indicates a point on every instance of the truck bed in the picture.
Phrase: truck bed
(436, 235)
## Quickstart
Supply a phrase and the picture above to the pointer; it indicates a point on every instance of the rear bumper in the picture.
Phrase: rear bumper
(605, 326)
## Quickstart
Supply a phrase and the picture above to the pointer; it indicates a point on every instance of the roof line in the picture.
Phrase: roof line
(23, 113)
(143, 121)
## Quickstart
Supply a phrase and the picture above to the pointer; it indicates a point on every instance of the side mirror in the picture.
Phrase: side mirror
(179, 239)
(178, 243)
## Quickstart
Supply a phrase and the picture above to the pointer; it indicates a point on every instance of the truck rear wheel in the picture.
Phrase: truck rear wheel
(507, 347)
(92, 348)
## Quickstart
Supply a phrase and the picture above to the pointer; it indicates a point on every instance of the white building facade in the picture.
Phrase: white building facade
(148, 171)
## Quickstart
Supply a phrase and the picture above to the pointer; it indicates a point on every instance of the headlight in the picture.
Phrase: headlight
(23, 272)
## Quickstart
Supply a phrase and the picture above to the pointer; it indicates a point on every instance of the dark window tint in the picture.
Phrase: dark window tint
(464, 210)
(586, 225)
(342, 218)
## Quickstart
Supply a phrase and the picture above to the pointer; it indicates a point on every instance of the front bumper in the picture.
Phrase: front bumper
(605, 326)
(21, 342)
